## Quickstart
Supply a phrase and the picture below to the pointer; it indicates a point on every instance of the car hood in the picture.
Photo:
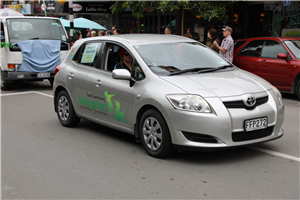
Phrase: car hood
(220, 84)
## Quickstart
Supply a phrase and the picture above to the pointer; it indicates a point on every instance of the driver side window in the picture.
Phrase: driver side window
(137, 72)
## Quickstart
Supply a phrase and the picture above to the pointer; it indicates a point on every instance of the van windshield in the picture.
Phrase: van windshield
(21, 29)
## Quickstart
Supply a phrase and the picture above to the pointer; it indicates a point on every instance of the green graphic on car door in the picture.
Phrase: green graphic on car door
(97, 106)
(119, 115)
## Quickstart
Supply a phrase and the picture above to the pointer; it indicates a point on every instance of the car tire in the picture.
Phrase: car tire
(155, 135)
(65, 110)
(298, 89)
(4, 84)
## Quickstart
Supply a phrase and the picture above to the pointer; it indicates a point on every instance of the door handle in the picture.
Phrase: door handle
(263, 61)
(71, 75)
(98, 83)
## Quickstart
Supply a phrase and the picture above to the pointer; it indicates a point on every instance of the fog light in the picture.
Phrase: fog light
(20, 76)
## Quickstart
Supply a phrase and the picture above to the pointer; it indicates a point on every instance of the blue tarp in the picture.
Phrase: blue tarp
(40, 55)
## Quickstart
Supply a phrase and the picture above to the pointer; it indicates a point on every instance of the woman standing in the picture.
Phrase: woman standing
(212, 36)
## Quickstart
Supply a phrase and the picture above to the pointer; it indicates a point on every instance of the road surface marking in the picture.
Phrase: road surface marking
(29, 92)
(276, 153)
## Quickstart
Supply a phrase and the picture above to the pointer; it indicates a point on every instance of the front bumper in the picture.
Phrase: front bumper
(224, 128)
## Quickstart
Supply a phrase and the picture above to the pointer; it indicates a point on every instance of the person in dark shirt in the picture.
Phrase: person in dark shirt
(125, 60)
(195, 36)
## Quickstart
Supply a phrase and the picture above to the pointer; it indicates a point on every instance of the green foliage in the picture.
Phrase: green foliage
(5, 44)
(205, 9)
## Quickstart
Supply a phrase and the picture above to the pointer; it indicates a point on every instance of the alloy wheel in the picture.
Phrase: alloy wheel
(63, 108)
(152, 133)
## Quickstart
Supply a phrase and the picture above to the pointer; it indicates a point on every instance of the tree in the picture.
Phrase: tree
(205, 9)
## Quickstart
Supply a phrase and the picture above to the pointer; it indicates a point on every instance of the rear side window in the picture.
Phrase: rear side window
(272, 48)
(88, 54)
(237, 44)
(254, 49)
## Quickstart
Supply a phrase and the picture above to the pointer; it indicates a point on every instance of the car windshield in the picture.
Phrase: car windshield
(294, 46)
(179, 58)
(21, 29)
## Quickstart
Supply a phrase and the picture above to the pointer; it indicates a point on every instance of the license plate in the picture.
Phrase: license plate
(43, 75)
(255, 124)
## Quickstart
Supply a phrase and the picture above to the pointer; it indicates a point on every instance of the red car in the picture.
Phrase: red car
(276, 59)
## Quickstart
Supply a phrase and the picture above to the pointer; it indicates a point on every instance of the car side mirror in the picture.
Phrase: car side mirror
(122, 74)
(282, 56)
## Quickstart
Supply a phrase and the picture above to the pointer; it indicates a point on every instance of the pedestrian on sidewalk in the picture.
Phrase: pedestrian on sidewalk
(227, 45)
(89, 31)
(168, 31)
(212, 35)
(93, 34)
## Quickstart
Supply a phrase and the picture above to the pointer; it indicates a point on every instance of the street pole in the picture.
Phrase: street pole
(45, 8)
(71, 18)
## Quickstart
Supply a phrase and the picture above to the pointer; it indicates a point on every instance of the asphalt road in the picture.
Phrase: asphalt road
(43, 160)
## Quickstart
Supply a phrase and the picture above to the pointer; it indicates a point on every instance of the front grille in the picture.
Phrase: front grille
(251, 135)
(196, 137)
(240, 104)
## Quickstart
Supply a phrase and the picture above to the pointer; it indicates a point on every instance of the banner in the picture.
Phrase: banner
(91, 7)
(25, 9)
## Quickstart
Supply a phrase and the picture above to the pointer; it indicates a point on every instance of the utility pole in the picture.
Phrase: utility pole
(71, 18)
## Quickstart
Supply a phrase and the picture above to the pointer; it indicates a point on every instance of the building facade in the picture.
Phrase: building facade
(247, 18)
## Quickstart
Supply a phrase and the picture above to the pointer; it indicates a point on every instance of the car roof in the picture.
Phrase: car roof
(140, 39)
(269, 38)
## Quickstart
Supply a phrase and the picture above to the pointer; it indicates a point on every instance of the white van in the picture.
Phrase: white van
(39, 45)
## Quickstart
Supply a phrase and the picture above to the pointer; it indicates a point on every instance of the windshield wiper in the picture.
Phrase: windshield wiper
(188, 70)
(214, 69)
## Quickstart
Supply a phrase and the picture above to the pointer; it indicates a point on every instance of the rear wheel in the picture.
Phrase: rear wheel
(65, 110)
(155, 135)
(298, 89)
(4, 84)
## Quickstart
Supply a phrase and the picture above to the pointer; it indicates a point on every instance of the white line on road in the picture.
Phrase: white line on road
(254, 148)
(29, 92)
(276, 153)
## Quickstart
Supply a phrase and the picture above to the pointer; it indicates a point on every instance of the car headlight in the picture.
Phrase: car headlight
(189, 102)
(278, 94)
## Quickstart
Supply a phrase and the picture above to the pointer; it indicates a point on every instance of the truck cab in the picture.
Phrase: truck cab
(18, 64)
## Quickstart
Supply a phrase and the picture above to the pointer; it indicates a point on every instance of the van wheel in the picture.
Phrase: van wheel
(4, 84)
(65, 110)
(155, 135)
(298, 89)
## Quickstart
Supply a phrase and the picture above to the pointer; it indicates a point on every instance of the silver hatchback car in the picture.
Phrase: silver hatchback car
(170, 92)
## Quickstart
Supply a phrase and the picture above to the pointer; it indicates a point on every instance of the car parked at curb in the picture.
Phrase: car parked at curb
(276, 59)
(171, 92)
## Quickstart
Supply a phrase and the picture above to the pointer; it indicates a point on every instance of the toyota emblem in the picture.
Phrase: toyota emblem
(250, 101)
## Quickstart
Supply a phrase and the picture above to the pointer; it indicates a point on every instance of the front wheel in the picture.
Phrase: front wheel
(155, 135)
(65, 110)
(298, 89)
